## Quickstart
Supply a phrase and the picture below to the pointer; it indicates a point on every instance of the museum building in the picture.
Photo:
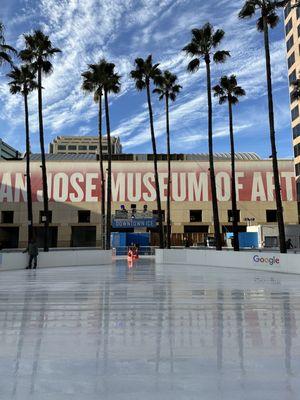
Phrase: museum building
(74, 196)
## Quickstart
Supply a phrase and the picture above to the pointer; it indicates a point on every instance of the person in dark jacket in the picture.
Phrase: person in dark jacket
(33, 253)
(289, 244)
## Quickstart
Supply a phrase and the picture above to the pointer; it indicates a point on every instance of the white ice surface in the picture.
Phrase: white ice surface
(149, 332)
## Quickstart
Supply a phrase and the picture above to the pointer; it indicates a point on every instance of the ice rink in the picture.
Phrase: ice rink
(149, 332)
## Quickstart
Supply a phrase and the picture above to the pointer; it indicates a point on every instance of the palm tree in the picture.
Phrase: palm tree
(269, 19)
(168, 89)
(111, 84)
(93, 82)
(144, 73)
(24, 82)
(5, 50)
(38, 52)
(202, 47)
(229, 92)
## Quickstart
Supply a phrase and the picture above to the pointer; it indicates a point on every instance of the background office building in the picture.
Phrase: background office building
(75, 196)
(7, 152)
(292, 31)
(83, 145)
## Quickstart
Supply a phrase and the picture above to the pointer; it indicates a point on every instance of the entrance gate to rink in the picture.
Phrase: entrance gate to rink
(179, 239)
(143, 250)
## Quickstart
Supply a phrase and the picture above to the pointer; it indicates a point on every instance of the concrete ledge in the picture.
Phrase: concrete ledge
(62, 258)
(260, 261)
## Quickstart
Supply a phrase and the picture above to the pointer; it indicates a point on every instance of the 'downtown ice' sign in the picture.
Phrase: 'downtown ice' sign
(134, 182)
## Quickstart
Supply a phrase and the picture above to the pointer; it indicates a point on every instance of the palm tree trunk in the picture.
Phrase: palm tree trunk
(101, 174)
(169, 175)
(236, 244)
(160, 223)
(108, 196)
(28, 177)
(280, 220)
(44, 171)
(211, 162)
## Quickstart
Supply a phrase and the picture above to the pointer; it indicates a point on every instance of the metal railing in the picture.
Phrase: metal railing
(125, 214)
(143, 250)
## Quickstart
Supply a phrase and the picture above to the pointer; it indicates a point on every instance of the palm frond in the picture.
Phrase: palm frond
(193, 65)
(158, 91)
(217, 37)
(54, 50)
(5, 57)
(144, 72)
(191, 49)
(221, 56)
(234, 100)
(140, 84)
(176, 88)
(38, 51)
(272, 19)
(47, 67)
(6, 47)
(23, 80)
(239, 91)
(223, 99)
(218, 91)
(14, 89)
(248, 9)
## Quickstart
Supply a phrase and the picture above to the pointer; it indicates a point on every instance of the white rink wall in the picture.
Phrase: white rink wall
(261, 261)
(57, 258)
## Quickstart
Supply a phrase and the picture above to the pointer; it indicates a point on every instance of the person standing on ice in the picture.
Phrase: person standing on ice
(33, 252)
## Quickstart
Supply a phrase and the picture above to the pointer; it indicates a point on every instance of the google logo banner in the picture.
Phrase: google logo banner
(262, 260)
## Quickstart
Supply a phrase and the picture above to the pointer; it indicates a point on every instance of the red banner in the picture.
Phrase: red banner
(134, 182)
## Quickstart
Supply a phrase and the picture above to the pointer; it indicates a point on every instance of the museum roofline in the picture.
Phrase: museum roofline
(241, 156)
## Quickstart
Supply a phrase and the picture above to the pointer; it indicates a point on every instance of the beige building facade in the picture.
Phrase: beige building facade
(74, 193)
(292, 31)
(83, 145)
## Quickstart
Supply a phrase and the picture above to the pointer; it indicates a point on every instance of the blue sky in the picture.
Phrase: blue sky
(86, 30)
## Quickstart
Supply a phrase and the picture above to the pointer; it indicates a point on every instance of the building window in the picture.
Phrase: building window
(287, 10)
(290, 43)
(297, 168)
(42, 216)
(271, 215)
(80, 147)
(61, 147)
(292, 77)
(288, 26)
(295, 113)
(7, 217)
(84, 216)
(92, 147)
(72, 147)
(297, 150)
(296, 131)
(195, 215)
(230, 215)
(291, 60)
(155, 213)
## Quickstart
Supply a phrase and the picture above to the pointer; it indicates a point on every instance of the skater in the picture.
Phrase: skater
(33, 252)
(289, 244)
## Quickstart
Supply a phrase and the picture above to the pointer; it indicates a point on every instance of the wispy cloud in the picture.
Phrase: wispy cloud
(120, 31)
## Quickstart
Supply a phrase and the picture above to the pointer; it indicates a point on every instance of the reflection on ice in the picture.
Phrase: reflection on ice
(149, 332)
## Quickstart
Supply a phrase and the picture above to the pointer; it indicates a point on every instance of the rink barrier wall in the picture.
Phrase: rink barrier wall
(260, 261)
(61, 258)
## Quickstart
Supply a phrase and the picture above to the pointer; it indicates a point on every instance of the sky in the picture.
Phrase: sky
(120, 31)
